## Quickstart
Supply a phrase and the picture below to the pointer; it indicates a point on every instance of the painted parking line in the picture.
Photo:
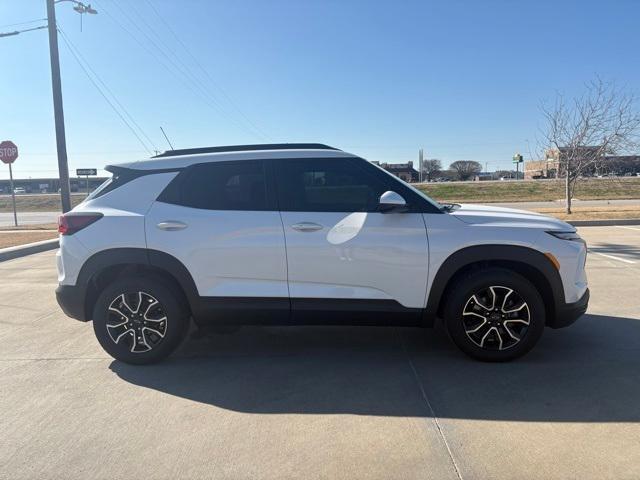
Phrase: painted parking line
(637, 229)
(612, 257)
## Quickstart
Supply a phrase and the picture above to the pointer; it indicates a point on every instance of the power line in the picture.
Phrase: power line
(194, 77)
(181, 66)
(23, 23)
(160, 60)
(16, 32)
(161, 49)
(113, 95)
(64, 38)
(189, 81)
(206, 73)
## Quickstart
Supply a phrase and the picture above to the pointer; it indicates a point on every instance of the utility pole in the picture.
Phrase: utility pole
(420, 162)
(56, 83)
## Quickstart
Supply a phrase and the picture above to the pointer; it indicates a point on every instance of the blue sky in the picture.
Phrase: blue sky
(463, 80)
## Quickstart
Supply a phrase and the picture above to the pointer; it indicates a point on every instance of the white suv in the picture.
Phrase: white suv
(306, 234)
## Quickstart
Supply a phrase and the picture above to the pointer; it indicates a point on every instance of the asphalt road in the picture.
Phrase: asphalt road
(28, 218)
(321, 402)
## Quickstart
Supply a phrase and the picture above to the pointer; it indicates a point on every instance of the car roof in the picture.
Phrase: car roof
(181, 160)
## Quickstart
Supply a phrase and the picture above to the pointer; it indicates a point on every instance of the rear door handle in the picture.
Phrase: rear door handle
(171, 225)
(307, 227)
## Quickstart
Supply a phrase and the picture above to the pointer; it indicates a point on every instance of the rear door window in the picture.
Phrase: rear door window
(239, 185)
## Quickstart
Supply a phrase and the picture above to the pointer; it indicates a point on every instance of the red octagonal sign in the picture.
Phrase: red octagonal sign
(8, 151)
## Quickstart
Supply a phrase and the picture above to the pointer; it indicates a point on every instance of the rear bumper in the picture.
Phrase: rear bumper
(570, 312)
(71, 301)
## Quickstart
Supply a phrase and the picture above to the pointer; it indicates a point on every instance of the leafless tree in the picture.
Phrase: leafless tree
(431, 168)
(465, 169)
(579, 133)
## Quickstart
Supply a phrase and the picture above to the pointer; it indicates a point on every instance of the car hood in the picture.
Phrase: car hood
(501, 216)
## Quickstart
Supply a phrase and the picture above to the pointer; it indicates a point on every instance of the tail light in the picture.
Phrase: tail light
(70, 223)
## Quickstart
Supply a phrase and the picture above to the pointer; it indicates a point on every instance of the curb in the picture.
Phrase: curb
(18, 251)
(605, 223)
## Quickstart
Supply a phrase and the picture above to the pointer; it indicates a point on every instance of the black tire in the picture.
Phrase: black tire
(494, 341)
(145, 338)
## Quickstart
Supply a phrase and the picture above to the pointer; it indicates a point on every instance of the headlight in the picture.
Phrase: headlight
(572, 236)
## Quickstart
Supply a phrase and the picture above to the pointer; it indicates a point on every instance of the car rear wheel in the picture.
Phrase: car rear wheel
(139, 320)
(495, 315)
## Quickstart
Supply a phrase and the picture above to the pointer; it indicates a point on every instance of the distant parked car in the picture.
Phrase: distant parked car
(19, 190)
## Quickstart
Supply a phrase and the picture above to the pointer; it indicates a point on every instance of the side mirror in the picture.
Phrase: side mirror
(391, 202)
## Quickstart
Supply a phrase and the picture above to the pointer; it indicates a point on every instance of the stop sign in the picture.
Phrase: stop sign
(8, 151)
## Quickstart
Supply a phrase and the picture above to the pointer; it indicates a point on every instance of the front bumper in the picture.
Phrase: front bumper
(570, 312)
(71, 300)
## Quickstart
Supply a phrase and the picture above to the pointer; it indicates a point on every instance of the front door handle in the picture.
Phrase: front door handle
(171, 225)
(307, 227)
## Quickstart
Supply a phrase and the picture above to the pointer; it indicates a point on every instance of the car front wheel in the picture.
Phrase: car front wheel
(495, 315)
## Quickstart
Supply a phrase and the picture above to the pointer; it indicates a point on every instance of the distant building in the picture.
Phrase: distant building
(552, 166)
(622, 164)
(404, 171)
(482, 176)
(536, 169)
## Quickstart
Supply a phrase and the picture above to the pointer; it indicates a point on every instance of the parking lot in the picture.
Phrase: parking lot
(324, 402)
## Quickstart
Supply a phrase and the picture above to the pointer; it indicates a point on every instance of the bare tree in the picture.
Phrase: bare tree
(431, 168)
(465, 169)
(579, 133)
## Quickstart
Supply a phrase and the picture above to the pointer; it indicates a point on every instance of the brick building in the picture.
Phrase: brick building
(551, 167)
(404, 171)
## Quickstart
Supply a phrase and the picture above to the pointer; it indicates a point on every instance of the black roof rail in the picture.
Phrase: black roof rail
(243, 148)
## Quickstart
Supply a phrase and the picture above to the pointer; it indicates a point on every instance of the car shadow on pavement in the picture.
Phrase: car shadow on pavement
(589, 372)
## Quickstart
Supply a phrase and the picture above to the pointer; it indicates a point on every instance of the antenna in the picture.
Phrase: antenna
(166, 138)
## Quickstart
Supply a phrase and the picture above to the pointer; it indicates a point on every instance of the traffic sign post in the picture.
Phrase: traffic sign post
(86, 172)
(518, 159)
(8, 155)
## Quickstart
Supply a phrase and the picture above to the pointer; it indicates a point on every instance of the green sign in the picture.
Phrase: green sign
(517, 158)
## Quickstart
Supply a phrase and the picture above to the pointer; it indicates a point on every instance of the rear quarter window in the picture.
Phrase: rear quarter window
(122, 176)
(239, 185)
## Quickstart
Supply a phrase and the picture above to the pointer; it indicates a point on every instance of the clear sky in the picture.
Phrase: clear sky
(463, 80)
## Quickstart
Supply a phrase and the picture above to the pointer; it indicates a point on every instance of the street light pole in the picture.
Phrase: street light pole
(56, 83)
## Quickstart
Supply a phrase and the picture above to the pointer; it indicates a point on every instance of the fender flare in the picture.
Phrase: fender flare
(495, 252)
(137, 256)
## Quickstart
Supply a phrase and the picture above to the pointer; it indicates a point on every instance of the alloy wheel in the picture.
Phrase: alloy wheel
(136, 320)
(496, 318)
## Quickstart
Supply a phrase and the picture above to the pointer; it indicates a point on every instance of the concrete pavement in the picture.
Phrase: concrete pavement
(324, 402)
